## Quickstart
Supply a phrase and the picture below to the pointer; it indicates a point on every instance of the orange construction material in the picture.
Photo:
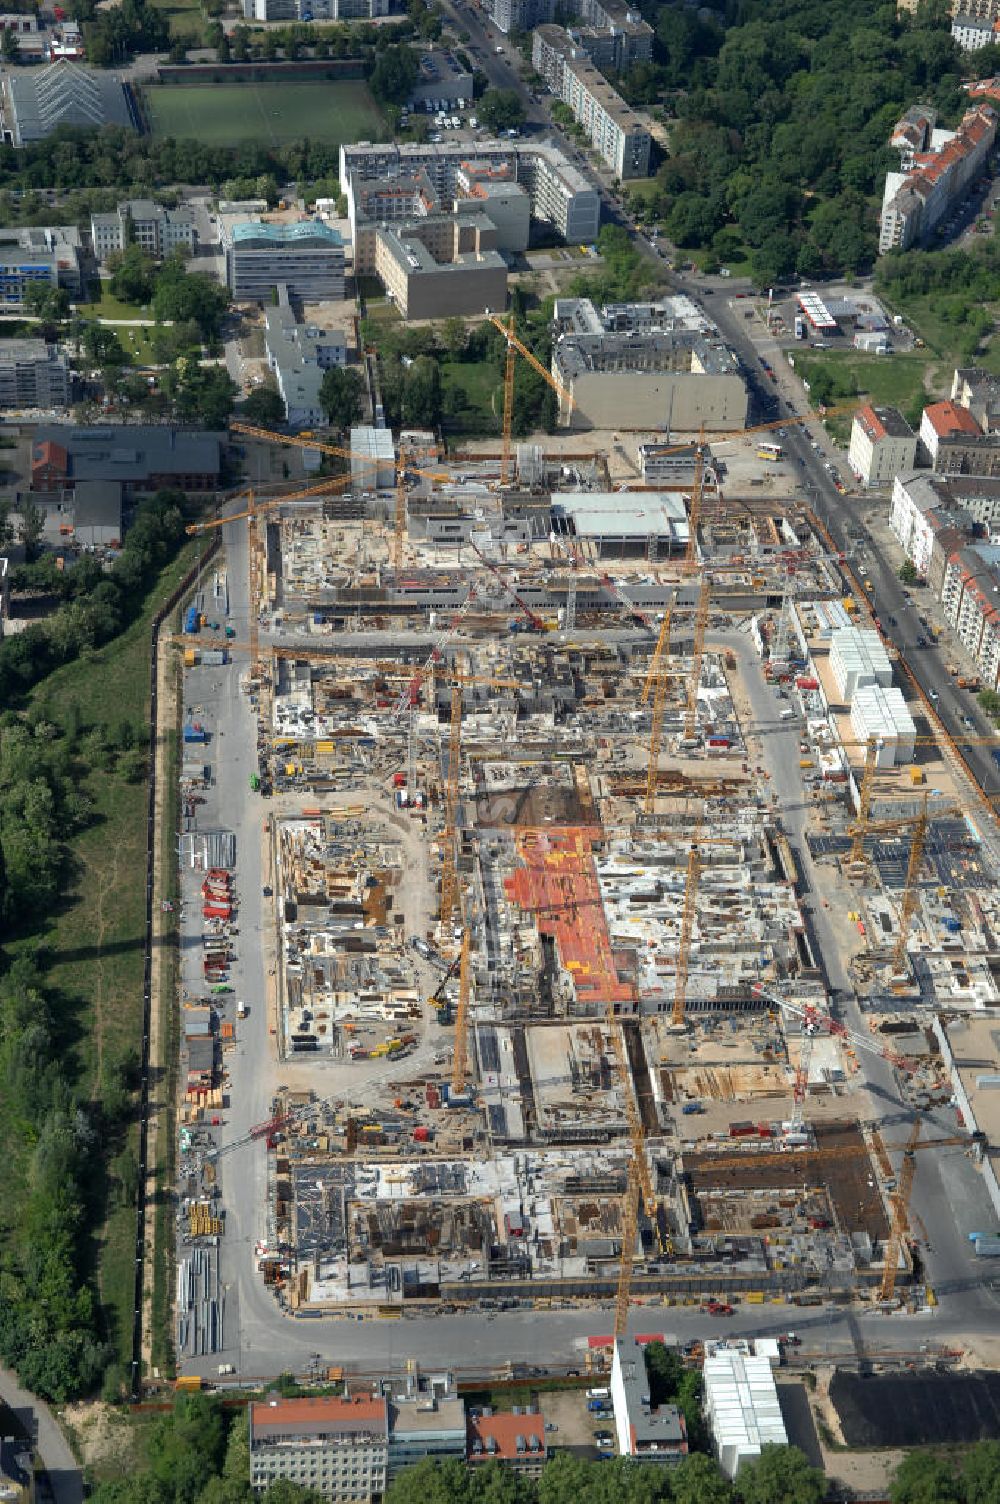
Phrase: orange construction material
(558, 884)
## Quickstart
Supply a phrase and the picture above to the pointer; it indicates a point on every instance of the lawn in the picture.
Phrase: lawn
(272, 113)
(93, 944)
(186, 19)
(479, 389)
(135, 342)
(897, 380)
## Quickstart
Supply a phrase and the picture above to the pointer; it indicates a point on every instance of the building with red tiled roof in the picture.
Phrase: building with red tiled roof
(518, 1440)
(933, 182)
(337, 1446)
(882, 444)
(940, 420)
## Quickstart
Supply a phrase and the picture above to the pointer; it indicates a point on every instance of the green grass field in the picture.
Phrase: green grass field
(275, 114)
(479, 399)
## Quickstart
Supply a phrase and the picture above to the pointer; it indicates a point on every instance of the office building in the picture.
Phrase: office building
(494, 192)
(741, 1403)
(668, 464)
(623, 524)
(40, 100)
(647, 1432)
(425, 1423)
(142, 458)
(306, 257)
(316, 10)
(32, 374)
(616, 131)
(157, 231)
(934, 177)
(441, 266)
(559, 193)
(50, 255)
(338, 1447)
(882, 444)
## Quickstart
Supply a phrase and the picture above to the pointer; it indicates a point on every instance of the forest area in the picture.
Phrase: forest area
(779, 116)
(73, 761)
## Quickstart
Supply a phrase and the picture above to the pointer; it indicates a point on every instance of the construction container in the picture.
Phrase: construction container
(421, 1135)
(214, 657)
(191, 656)
(192, 620)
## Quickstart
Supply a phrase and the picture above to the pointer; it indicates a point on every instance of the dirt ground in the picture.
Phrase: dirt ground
(862, 1472)
(103, 1438)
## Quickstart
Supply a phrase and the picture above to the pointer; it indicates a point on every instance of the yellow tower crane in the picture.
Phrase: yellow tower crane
(516, 346)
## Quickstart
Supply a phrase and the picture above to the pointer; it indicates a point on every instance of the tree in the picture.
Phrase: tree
(48, 303)
(101, 345)
(697, 1480)
(422, 393)
(10, 48)
(32, 527)
(501, 110)
(264, 407)
(181, 295)
(981, 1474)
(923, 1478)
(394, 74)
(132, 273)
(340, 396)
(781, 1475)
(202, 394)
(908, 572)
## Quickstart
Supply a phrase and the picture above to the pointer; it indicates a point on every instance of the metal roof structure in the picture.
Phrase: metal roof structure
(64, 93)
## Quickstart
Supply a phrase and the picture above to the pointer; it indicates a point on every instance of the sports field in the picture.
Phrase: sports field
(272, 113)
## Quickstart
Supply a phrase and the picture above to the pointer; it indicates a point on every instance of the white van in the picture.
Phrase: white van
(598, 1394)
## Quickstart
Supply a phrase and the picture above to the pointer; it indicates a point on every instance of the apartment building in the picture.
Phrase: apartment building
(299, 354)
(934, 179)
(157, 231)
(973, 32)
(338, 1447)
(559, 194)
(922, 505)
(939, 421)
(968, 454)
(521, 15)
(983, 10)
(494, 192)
(882, 444)
(615, 130)
(515, 1438)
(32, 374)
(970, 592)
(306, 257)
(979, 392)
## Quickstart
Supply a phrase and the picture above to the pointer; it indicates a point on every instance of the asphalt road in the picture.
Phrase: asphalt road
(65, 1477)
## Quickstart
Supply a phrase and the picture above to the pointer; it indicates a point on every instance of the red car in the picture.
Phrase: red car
(718, 1308)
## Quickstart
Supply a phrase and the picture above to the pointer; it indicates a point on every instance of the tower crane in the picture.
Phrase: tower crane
(865, 794)
(514, 347)
(331, 484)
(461, 1055)
(630, 1231)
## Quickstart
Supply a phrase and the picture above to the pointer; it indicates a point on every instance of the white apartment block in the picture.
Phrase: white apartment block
(560, 194)
(917, 499)
(616, 131)
(882, 444)
(973, 32)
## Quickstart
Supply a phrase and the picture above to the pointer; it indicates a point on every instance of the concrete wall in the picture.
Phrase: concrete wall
(657, 400)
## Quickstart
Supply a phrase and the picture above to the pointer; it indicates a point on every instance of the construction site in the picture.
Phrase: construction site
(616, 879)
